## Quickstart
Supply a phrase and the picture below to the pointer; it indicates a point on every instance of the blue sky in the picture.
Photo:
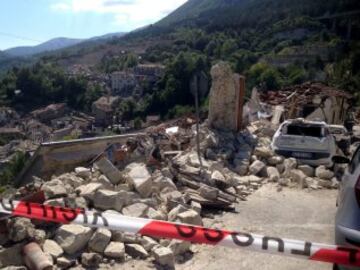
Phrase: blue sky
(30, 22)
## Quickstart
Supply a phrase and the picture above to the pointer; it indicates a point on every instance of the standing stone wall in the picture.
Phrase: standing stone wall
(223, 97)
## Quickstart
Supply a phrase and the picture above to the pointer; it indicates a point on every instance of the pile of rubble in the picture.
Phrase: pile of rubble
(164, 174)
(168, 184)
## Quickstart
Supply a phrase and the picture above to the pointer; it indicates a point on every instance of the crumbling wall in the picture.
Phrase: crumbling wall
(223, 97)
(60, 157)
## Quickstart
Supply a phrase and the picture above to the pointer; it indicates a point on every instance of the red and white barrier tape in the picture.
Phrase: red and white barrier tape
(195, 234)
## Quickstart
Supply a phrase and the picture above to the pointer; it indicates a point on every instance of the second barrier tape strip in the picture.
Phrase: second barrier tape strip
(195, 234)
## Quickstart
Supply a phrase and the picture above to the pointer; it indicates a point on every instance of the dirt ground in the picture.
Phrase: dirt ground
(291, 213)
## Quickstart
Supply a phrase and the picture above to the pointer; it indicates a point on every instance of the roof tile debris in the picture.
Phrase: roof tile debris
(302, 94)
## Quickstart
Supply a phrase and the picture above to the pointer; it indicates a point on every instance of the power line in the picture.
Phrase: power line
(19, 37)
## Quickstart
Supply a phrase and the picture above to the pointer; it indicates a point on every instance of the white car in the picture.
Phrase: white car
(308, 141)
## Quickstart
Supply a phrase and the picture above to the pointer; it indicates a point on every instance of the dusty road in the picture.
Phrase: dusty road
(291, 213)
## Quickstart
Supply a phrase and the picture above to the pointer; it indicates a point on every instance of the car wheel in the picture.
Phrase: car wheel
(335, 267)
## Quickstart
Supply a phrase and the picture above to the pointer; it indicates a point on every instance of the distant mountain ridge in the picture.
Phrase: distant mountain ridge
(53, 45)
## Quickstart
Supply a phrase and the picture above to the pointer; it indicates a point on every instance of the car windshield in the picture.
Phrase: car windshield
(305, 130)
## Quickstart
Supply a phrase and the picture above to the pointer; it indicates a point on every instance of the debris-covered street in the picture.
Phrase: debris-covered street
(269, 212)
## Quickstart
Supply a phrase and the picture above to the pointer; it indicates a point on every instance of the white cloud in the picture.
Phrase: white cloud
(125, 12)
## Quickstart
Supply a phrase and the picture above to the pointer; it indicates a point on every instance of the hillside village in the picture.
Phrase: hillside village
(224, 114)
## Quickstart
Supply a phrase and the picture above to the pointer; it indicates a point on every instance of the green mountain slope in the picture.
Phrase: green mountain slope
(251, 12)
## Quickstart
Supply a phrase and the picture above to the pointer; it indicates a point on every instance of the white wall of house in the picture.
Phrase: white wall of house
(333, 111)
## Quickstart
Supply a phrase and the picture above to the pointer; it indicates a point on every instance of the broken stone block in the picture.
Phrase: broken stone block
(75, 202)
(82, 172)
(88, 191)
(179, 247)
(196, 207)
(241, 168)
(135, 210)
(104, 181)
(164, 256)
(290, 164)
(136, 251)
(20, 229)
(208, 192)
(73, 238)
(280, 168)
(219, 179)
(153, 214)
(110, 171)
(167, 173)
(162, 182)
(140, 178)
(190, 217)
(173, 198)
(323, 173)
(65, 263)
(307, 170)
(107, 199)
(99, 240)
(193, 160)
(324, 183)
(115, 250)
(275, 160)
(297, 176)
(70, 181)
(263, 152)
(172, 215)
(257, 167)
(52, 248)
(11, 256)
(54, 189)
(39, 236)
(148, 243)
(91, 259)
(273, 174)
(243, 180)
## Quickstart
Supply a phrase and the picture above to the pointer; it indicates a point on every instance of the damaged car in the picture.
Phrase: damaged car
(309, 142)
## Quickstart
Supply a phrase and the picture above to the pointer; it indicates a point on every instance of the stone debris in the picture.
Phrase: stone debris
(107, 199)
(169, 184)
(20, 229)
(136, 210)
(91, 259)
(136, 251)
(109, 170)
(52, 248)
(323, 173)
(73, 238)
(100, 239)
(257, 167)
(307, 170)
(115, 250)
(140, 178)
(164, 256)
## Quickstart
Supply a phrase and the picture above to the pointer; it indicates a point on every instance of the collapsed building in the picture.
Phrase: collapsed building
(164, 173)
(311, 101)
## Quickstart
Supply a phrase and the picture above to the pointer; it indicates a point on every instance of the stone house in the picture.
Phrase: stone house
(104, 109)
